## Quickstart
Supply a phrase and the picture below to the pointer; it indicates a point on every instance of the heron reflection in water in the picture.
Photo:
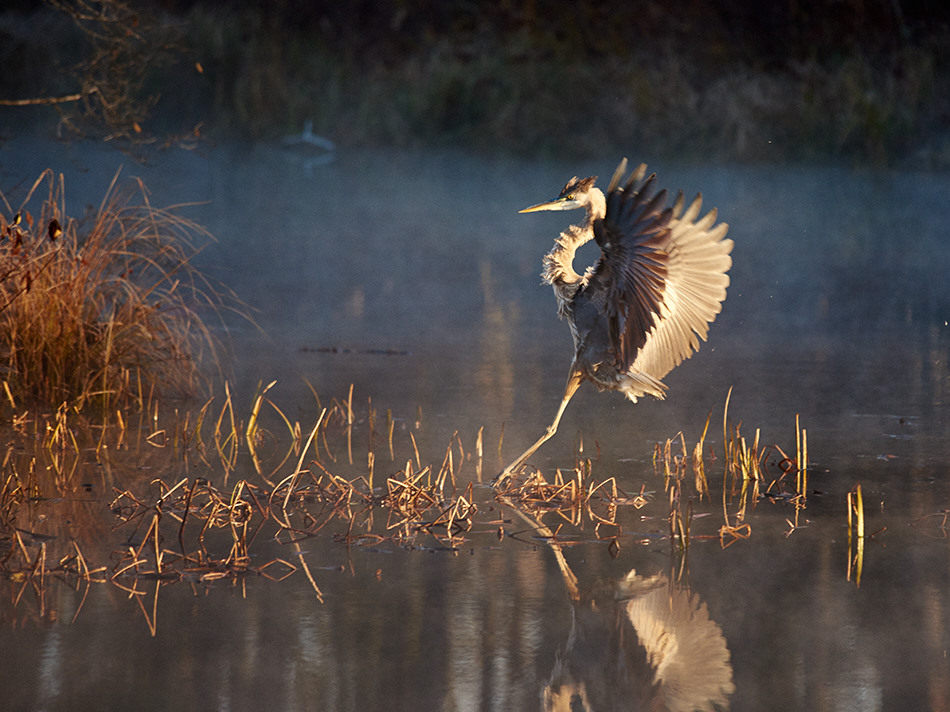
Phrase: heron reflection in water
(642, 643)
(642, 308)
(637, 642)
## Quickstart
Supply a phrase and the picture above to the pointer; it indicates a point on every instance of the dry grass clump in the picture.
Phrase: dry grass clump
(750, 471)
(573, 499)
(181, 527)
(176, 514)
(104, 308)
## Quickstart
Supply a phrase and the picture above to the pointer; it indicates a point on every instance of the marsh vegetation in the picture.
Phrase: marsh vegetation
(104, 308)
(77, 507)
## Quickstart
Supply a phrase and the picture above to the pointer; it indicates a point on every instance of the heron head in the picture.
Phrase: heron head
(576, 194)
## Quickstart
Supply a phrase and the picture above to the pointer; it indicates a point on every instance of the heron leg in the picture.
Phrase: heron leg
(574, 380)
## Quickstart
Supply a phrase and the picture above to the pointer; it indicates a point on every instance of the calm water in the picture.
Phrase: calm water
(411, 276)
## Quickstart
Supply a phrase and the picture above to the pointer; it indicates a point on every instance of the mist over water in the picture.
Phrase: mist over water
(411, 276)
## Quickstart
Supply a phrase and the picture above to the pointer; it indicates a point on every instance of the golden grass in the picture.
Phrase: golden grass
(106, 308)
(192, 522)
(855, 534)
(196, 529)
(751, 471)
(573, 499)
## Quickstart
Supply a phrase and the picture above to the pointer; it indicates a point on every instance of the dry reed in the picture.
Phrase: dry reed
(183, 527)
(751, 471)
(573, 499)
(107, 308)
(855, 534)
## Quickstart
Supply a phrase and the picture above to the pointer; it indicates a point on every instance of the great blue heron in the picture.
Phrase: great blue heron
(641, 310)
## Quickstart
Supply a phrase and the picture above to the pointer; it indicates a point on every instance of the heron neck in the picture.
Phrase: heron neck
(559, 262)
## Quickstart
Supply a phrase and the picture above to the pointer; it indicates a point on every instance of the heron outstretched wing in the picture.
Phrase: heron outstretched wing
(694, 289)
(628, 281)
(661, 277)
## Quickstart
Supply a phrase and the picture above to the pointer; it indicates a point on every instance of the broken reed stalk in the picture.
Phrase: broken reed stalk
(251, 432)
(349, 425)
(699, 471)
(725, 433)
(390, 427)
(478, 454)
(371, 421)
(856, 507)
(679, 524)
(415, 450)
(855, 534)
(291, 480)
(801, 438)
(228, 459)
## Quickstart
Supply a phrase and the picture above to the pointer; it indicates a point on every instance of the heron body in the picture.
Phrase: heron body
(648, 301)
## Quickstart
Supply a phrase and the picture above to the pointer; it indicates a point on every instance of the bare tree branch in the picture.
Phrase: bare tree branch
(41, 101)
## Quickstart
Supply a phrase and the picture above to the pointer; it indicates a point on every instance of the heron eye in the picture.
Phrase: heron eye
(570, 196)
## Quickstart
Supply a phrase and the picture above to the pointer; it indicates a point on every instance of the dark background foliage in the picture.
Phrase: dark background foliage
(749, 81)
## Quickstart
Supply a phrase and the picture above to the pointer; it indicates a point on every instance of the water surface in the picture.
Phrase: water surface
(411, 276)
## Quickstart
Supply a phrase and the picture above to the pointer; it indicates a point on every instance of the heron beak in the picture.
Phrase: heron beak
(555, 204)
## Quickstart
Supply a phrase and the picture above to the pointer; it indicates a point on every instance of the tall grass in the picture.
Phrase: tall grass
(106, 308)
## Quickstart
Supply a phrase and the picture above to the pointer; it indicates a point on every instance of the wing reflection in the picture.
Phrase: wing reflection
(641, 643)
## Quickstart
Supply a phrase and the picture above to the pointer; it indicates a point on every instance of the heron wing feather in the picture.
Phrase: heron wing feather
(627, 283)
(661, 277)
(693, 291)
